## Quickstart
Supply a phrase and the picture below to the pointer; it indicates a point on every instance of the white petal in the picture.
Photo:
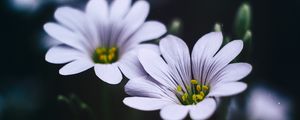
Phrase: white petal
(227, 89)
(133, 20)
(177, 55)
(146, 86)
(139, 11)
(119, 8)
(81, 25)
(145, 104)
(151, 47)
(143, 87)
(208, 45)
(109, 73)
(148, 31)
(234, 72)
(62, 54)
(174, 112)
(66, 15)
(130, 64)
(92, 33)
(204, 109)
(203, 52)
(76, 66)
(124, 49)
(64, 35)
(228, 53)
(156, 67)
(97, 12)
(118, 11)
(97, 9)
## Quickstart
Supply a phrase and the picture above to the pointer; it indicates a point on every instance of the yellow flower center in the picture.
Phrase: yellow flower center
(192, 94)
(105, 55)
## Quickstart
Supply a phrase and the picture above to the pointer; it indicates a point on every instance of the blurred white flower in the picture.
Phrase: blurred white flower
(265, 104)
(25, 5)
(179, 84)
(104, 36)
(31, 6)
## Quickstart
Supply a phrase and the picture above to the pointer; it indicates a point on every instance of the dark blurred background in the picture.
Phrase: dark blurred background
(29, 85)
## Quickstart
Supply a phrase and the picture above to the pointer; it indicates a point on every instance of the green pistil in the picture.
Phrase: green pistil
(194, 93)
(105, 55)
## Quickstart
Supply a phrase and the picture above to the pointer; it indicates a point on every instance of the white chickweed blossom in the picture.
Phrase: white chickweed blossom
(179, 84)
(104, 36)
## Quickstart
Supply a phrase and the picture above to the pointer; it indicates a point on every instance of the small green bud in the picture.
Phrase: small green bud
(83, 105)
(242, 20)
(175, 26)
(218, 27)
(248, 41)
(63, 99)
(248, 36)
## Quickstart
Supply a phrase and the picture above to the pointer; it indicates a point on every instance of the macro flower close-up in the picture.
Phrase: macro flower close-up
(179, 83)
(105, 36)
(149, 60)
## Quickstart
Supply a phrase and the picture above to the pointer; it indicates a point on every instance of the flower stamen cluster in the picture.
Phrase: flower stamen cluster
(193, 94)
(105, 55)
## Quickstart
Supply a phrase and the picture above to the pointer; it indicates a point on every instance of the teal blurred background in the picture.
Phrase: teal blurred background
(29, 86)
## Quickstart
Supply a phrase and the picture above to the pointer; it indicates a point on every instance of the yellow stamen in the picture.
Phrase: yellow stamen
(112, 50)
(195, 82)
(198, 88)
(111, 56)
(205, 87)
(179, 89)
(103, 58)
(100, 50)
(193, 94)
(199, 97)
(184, 97)
(105, 55)
(202, 93)
(194, 97)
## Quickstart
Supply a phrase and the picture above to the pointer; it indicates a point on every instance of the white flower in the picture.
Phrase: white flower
(262, 97)
(25, 5)
(104, 36)
(33, 6)
(179, 84)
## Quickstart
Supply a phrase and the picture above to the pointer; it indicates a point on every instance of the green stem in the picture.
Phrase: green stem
(70, 105)
(105, 103)
(88, 110)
